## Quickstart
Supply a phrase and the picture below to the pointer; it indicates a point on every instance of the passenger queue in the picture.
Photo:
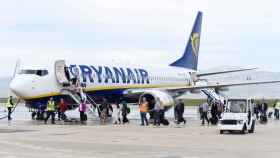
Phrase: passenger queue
(209, 111)
(57, 111)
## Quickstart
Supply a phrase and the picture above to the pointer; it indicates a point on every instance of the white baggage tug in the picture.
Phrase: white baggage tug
(238, 116)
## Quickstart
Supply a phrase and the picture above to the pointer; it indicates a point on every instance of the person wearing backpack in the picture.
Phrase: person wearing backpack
(125, 111)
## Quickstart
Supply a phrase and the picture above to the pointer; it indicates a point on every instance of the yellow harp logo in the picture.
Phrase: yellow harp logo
(195, 43)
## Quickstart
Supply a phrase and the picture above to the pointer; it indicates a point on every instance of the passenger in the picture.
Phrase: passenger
(276, 109)
(214, 113)
(110, 110)
(57, 109)
(33, 112)
(200, 111)
(256, 109)
(220, 109)
(175, 112)
(180, 108)
(263, 110)
(144, 108)
(205, 109)
(82, 110)
(157, 110)
(125, 111)
(50, 111)
(63, 106)
(104, 111)
(10, 104)
(253, 105)
(116, 114)
(40, 112)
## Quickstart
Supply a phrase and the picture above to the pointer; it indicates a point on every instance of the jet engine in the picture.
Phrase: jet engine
(222, 89)
(165, 98)
(195, 91)
(166, 102)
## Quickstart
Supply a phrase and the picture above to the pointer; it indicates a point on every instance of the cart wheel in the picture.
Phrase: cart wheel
(244, 129)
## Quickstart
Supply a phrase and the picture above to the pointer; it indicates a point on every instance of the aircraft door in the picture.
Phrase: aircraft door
(61, 72)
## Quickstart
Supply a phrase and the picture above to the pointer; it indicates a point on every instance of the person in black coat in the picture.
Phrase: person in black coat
(264, 107)
(180, 109)
(263, 110)
(214, 113)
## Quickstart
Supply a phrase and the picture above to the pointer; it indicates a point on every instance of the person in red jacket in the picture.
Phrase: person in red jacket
(63, 106)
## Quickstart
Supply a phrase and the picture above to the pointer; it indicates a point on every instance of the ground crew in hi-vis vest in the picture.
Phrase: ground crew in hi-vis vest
(50, 111)
(9, 106)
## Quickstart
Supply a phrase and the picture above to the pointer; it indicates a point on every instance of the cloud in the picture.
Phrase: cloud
(239, 33)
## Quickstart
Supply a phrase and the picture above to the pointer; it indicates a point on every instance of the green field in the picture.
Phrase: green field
(194, 102)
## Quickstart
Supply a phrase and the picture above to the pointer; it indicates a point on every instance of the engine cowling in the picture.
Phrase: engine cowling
(195, 91)
(222, 89)
(165, 98)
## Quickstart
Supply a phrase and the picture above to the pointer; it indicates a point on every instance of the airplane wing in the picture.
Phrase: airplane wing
(183, 89)
(223, 85)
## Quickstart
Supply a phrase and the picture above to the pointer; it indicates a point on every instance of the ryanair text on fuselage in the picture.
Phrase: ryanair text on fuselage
(106, 74)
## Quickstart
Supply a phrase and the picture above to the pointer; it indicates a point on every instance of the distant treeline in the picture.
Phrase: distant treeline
(196, 102)
(3, 100)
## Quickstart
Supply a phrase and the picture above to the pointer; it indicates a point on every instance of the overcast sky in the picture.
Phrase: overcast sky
(236, 33)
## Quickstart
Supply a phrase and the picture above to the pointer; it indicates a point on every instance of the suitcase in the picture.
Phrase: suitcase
(165, 122)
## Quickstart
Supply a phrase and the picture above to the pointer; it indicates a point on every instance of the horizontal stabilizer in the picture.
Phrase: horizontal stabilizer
(223, 72)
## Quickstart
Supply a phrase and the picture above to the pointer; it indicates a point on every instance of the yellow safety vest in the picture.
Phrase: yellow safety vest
(51, 106)
(8, 104)
(277, 106)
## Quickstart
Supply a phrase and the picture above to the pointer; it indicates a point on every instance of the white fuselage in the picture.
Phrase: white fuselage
(101, 77)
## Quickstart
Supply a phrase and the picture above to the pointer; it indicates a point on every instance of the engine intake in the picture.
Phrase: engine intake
(166, 100)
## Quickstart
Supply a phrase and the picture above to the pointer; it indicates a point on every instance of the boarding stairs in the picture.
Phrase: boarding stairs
(69, 81)
(214, 95)
(78, 95)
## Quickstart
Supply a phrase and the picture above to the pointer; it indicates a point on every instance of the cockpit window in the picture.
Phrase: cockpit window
(35, 72)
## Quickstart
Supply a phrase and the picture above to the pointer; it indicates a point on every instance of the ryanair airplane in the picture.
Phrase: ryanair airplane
(93, 82)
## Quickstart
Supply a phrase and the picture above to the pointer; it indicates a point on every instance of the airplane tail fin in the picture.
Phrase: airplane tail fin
(190, 57)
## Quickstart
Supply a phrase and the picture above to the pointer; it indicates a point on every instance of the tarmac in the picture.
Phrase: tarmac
(33, 139)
